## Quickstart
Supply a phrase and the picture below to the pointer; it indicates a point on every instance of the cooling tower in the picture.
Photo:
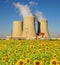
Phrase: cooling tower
(44, 27)
(17, 29)
(29, 30)
(38, 27)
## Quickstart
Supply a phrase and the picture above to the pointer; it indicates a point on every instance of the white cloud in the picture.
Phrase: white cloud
(24, 10)
(33, 3)
(39, 15)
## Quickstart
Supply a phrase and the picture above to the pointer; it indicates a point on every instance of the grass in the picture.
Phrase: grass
(29, 52)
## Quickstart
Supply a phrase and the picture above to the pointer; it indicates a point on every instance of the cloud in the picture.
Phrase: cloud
(39, 15)
(33, 3)
(24, 10)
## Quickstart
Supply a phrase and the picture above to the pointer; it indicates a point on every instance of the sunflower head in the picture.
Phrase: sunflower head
(55, 45)
(20, 62)
(55, 56)
(16, 51)
(46, 49)
(53, 62)
(9, 54)
(3, 59)
(37, 62)
(31, 46)
(40, 51)
(27, 60)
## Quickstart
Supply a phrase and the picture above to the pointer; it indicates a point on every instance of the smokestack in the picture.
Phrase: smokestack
(44, 27)
(17, 29)
(29, 30)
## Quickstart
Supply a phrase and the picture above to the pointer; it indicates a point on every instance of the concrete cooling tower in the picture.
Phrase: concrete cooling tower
(17, 29)
(29, 30)
(38, 27)
(44, 27)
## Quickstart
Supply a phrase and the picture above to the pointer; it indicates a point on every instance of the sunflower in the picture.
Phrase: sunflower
(31, 46)
(47, 44)
(46, 49)
(55, 45)
(28, 48)
(59, 62)
(20, 62)
(54, 62)
(40, 51)
(55, 56)
(37, 62)
(27, 60)
(3, 59)
(16, 52)
(9, 54)
(43, 44)
(44, 59)
(27, 51)
(34, 50)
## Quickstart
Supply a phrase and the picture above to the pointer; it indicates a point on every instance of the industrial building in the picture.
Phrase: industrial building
(27, 30)
(17, 29)
(44, 28)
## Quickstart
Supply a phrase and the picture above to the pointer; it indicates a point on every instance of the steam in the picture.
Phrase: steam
(24, 10)
(33, 3)
(39, 15)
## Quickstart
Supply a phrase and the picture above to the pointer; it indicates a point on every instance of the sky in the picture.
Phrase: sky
(49, 8)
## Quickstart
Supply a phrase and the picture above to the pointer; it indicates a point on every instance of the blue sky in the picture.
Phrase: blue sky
(50, 9)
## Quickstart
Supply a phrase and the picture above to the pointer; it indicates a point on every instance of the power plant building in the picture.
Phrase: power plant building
(17, 29)
(29, 30)
(44, 28)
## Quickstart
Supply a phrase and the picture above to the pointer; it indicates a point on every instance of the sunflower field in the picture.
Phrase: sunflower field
(29, 52)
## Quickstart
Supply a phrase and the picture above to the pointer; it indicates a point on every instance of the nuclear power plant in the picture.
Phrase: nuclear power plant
(44, 28)
(17, 29)
(27, 29)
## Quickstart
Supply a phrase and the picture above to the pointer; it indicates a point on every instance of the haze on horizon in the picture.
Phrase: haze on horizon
(49, 8)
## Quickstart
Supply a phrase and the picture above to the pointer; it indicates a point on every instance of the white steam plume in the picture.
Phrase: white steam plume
(33, 3)
(39, 15)
(23, 9)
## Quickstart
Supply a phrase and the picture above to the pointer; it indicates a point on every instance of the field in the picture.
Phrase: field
(29, 52)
